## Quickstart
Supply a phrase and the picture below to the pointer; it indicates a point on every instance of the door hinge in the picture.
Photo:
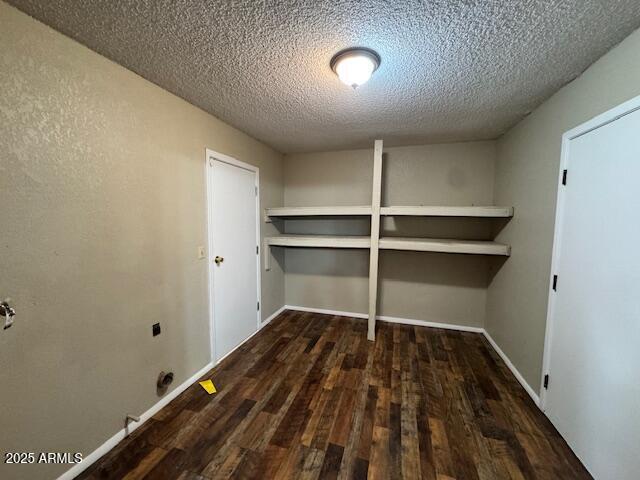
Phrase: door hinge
(257, 190)
(258, 305)
(546, 382)
(555, 283)
(257, 249)
(564, 177)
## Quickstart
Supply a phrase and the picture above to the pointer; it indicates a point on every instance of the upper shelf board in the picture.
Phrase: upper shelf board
(443, 211)
(284, 212)
(400, 210)
(445, 246)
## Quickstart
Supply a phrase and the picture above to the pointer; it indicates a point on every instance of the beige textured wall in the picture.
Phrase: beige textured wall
(102, 208)
(431, 287)
(526, 177)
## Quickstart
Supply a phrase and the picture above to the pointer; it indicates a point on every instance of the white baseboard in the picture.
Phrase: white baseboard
(118, 437)
(534, 396)
(384, 318)
(266, 321)
(424, 323)
(421, 323)
(325, 311)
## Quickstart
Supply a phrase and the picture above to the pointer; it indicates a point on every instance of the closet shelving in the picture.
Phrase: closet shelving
(374, 242)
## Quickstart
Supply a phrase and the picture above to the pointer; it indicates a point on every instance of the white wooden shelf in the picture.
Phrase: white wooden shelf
(345, 211)
(320, 241)
(398, 210)
(444, 211)
(471, 247)
(313, 241)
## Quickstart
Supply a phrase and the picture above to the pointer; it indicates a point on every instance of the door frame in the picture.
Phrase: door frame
(209, 156)
(598, 121)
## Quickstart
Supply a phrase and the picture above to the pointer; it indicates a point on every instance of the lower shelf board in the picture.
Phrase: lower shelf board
(414, 244)
(320, 241)
(443, 211)
(472, 247)
(313, 241)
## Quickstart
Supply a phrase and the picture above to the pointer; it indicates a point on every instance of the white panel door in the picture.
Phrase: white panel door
(594, 365)
(233, 221)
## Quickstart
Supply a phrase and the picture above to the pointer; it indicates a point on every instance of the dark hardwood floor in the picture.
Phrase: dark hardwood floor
(309, 397)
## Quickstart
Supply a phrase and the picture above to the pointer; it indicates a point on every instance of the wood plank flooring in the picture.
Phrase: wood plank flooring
(310, 398)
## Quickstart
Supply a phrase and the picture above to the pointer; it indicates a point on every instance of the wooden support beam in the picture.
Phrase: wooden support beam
(266, 251)
(376, 194)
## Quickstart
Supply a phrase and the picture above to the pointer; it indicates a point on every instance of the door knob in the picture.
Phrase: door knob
(218, 260)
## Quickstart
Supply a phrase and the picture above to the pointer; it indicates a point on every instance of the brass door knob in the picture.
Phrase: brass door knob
(218, 260)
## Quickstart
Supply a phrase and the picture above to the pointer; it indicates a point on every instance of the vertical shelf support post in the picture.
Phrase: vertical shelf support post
(266, 251)
(375, 236)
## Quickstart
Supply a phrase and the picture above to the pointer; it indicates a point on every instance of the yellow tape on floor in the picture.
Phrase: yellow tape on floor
(208, 386)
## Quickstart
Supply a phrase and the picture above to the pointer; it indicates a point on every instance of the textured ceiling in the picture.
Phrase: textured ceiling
(451, 70)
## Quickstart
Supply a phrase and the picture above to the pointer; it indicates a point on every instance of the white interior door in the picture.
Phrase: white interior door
(233, 214)
(593, 397)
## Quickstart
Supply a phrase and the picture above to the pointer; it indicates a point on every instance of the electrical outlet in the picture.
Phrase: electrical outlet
(156, 329)
(201, 252)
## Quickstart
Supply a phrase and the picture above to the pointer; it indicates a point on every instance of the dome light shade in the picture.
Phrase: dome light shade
(355, 66)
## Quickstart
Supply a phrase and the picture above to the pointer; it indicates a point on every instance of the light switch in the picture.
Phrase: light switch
(201, 252)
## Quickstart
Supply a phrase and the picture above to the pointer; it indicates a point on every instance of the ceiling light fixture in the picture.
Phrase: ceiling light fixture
(355, 66)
